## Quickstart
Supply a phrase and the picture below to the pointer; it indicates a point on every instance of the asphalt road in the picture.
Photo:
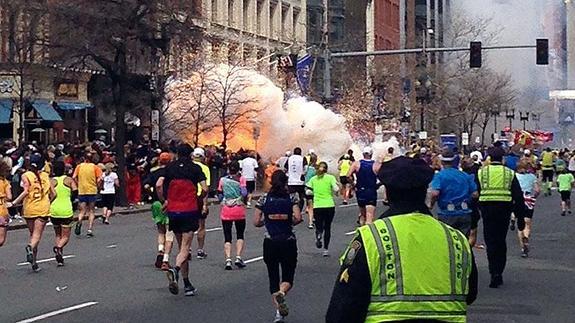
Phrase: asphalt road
(112, 279)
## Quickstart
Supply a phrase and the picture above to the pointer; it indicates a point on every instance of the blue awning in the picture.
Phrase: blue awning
(46, 110)
(5, 110)
(71, 105)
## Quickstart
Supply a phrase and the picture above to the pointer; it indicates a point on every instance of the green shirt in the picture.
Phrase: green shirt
(323, 188)
(565, 181)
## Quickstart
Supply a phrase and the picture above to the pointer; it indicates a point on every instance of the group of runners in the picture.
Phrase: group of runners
(46, 199)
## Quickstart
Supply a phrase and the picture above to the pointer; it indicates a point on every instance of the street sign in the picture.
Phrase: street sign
(423, 135)
(465, 139)
(155, 125)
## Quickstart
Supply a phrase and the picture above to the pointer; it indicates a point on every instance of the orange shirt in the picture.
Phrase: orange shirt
(37, 202)
(88, 175)
(4, 187)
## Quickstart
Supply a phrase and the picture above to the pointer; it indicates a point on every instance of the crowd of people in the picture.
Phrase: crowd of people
(498, 186)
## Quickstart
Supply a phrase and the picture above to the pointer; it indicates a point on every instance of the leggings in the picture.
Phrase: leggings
(240, 228)
(323, 217)
(280, 253)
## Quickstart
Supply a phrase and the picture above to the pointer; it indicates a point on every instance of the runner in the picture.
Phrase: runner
(199, 156)
(61, 211)
(165, 235)
(530, 188)
(37, 194)
(310, 172)
(232, 193)
(108, 193)
(572, 164)
(566, 181)
(278, 211)
(454, 191)
(5, 197)
(365, 172)
(249, 165)
(296, 170)
(181, 205)
(343, 166)
(323, 186)
(547, 162)
(88, 176)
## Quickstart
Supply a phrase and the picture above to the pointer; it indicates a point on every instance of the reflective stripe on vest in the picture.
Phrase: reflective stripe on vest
(495, 181)
(397, 294)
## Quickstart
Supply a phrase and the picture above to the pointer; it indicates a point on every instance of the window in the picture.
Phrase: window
(259, 13)
(295, 23)
(215, 10)
(285, 34)
(273, 9)
(231, 13)
(246, 11)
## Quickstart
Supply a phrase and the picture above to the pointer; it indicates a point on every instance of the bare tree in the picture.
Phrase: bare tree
(228, 95)
(186, 103)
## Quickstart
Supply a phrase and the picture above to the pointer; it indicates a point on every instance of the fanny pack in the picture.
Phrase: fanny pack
(234, 202)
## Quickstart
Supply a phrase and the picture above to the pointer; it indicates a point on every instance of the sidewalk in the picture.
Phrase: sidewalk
(17, 224)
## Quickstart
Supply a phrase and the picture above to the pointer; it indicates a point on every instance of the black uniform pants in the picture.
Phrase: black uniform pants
(280, 253)
(496, 216)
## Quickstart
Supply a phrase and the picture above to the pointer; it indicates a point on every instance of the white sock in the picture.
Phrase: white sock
(166, 257)
(160, 247)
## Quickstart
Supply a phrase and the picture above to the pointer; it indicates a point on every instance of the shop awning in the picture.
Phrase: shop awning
(46, 110)
(72, 105)
(5, 110)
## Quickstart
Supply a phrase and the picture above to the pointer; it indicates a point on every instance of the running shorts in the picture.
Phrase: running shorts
(184, 224)
(529, 213)
(565, 195)
(108, 201)
(547, 175)
(251, 186)
(88, 198)
(62, 222)
(343, 180)
(158, 213)
(4, 220)
(364, 203)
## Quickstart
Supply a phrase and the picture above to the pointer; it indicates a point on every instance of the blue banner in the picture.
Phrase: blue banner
(303, 71)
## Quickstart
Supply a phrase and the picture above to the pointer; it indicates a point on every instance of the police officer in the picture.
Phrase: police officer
(499, 195)
(406, 266)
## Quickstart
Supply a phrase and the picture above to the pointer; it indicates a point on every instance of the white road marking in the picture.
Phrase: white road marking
(58, 312)
(112, 246)
(355, 204)
(45, 260)
(254, 259)
(214, 229)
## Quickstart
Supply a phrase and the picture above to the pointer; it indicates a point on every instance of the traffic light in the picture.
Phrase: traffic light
(542, 52)
(475, 54)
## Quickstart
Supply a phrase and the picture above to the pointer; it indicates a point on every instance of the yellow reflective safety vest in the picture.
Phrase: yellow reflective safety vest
(547, 160)
(419, 269)
(495, 183)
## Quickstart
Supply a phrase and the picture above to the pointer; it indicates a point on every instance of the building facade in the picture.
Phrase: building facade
(38, 100)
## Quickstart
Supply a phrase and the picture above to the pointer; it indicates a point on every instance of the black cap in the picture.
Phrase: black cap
(405, 173)
(447, 155)
(496, 153)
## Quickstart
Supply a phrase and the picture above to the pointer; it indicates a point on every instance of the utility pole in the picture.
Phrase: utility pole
(327, 56)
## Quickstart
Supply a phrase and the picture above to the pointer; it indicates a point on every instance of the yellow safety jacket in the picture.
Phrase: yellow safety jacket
(495, 183)
(419, 269)
(547, 160)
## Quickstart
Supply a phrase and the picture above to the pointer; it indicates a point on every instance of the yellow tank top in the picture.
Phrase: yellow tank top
(344, 168)
(37, 203)
(4, 186)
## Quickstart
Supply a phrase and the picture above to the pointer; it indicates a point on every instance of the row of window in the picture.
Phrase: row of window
(283, 18)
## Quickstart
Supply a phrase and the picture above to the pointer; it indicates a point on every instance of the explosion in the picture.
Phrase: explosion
(254, 103)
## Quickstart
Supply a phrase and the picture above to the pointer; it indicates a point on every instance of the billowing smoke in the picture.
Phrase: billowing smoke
(283, 126)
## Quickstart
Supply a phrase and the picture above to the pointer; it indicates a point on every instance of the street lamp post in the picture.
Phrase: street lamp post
(423, 87)
(495, 114)
(524, 117)
(510, 115)
(536, 117)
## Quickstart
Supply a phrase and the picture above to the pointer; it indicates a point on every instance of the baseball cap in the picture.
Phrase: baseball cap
(199, 152)
(368, 150)
(447, 155)
(37, 161)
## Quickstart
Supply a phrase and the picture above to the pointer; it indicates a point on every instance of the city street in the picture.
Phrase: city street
(111, 277)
